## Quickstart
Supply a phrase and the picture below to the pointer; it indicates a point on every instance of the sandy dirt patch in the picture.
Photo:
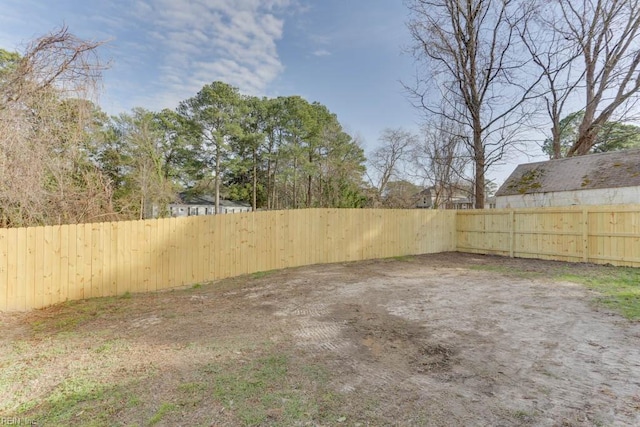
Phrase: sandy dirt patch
(447, 339)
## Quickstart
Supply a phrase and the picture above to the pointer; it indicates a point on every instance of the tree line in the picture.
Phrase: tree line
(64, 160)
(492, 76)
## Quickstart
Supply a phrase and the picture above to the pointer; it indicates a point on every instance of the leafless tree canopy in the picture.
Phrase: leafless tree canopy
(45, 123)
(589, 57)
(605, 33)
(473, 75)
(488, 63)
(389, 160)
(441, 161)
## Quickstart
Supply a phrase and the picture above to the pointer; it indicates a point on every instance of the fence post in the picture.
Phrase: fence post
(512, 232)
(585, 235)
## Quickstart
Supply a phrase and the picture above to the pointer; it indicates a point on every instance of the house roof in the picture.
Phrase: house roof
(604, 170)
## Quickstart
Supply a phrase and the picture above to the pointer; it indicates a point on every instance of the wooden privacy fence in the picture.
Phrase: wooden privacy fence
(41, 266)
(598, 234)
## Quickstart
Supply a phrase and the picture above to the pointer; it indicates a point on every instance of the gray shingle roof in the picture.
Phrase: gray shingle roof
(604, 170)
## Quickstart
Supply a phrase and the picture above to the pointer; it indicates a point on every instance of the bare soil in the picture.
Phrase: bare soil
(446, 339)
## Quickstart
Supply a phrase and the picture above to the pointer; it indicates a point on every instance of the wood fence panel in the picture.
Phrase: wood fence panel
(165, 253)
(30, 275)
(12, 267)
(47, 279)
(96, 257)
(41, 266)
(599, 234)
(21, 269)
(63, 288)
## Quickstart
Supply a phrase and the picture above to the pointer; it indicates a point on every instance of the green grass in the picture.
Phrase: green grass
(66, 404)
(261, 274)
(619, 289)
(506, 270)
(261, 392)
(163, 410)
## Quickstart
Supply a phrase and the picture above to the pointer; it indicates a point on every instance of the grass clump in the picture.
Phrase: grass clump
(262, 392)
(619, 288)
(262, 274)
(163, 410)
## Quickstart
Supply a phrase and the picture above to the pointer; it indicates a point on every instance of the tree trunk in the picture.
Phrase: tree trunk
(217, 182)
(309, 180)
(255, 180)
(274, 188)
(480, 164)
(555, 135)
(295, 179)
(584, 143)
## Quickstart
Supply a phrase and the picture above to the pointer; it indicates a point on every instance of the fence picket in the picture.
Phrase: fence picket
(41, 266)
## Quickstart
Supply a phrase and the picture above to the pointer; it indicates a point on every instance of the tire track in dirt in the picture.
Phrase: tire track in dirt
(467, 344)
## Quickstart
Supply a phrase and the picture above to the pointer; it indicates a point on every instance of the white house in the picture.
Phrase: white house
(453, 199)
(204, 205)
(595, 179)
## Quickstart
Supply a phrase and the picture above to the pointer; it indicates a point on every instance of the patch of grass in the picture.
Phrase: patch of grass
(192, 393)
(258, 392)
(523, 416)
(402, 258)
(316, 373)
(619, 288)
(126, 295)
(192, 387)
(196, 286)
(163, 410)
(261, 274)
(80, 401)
(69, 323)
(66, 402)
(506, 270)
(112, 346)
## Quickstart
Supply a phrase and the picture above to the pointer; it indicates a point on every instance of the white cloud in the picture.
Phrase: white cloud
(321, 52)
(202, 41)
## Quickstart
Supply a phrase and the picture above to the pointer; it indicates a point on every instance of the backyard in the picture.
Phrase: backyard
(443, 339)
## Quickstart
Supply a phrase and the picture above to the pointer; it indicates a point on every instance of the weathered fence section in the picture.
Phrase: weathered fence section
(598, 234)
(41, 266)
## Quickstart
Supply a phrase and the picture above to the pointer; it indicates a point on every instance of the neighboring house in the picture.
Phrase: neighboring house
(595, 179)
(204, 205)
(458, 200)
(469, 203)
(424, 199)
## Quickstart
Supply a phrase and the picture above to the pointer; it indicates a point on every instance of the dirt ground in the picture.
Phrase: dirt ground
(446, 339)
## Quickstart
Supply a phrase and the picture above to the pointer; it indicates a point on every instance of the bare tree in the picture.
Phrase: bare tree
(555, 57)
(442, 159)
(387, 160)
(57, 60)
(45, 124)
(468, 48)
(605, 33)
(587, 53)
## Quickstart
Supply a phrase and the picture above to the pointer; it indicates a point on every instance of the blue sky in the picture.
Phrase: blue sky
(347, 55)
